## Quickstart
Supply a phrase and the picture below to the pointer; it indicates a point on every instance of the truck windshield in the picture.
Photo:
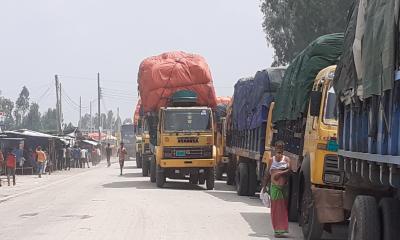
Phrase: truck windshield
(127, 133)
(187, 120)
(330, 108)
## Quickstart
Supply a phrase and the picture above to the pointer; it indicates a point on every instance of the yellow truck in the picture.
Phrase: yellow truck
(185, 147)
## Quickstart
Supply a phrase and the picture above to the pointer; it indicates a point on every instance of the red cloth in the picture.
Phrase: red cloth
(11, 161)
(137, 113)
(161, 76)
(279, 215)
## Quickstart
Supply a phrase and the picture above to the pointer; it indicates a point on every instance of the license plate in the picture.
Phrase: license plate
(180, 153)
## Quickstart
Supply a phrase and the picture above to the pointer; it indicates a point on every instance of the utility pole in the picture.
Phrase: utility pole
(80, 112)
(61, 113)
(58, 105)
(98, 105)
(91, 128)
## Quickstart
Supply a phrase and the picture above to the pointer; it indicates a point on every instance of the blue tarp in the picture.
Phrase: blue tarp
(252, 97)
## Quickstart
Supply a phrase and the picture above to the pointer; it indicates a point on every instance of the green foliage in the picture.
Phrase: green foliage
(21, 106)
(290, 25)
(32, 120)
(49, 120)
(7, 106)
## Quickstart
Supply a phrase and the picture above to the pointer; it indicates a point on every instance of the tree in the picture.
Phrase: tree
(7, 106)
(32, 120)
(21, 106)
(110, 120)
(49, 120)
(290, 25)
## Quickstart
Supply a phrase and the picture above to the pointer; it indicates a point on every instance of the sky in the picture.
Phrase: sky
(76, 39)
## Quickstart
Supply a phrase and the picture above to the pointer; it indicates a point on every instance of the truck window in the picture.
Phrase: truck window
(187, 120)
(127, 133)
(330, 108)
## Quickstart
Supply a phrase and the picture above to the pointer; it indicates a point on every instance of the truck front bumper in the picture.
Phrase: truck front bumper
(329, 204)
(187, 163)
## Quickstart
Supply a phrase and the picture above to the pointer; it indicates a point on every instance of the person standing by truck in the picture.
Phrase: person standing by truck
(121, 156)
(276, 178)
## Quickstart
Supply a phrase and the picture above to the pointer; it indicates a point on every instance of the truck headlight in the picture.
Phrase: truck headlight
(332, 178)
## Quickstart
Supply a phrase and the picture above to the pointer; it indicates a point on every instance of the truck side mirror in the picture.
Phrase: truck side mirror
(315, 103)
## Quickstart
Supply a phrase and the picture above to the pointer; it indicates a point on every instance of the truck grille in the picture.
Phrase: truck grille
(188, 139)
(187, 152)
(331, 163)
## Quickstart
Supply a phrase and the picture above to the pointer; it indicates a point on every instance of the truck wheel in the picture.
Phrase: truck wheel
(390, 212)
(202, 179)
(138, 161)
(293, 201)
(160, 179)
(219, 171)
(364, 220)
(194, 178)
(312, 228)
(145, 168)
(242, 179)
(252, 179)
(153, 170)
(230, 172)
(210, 181)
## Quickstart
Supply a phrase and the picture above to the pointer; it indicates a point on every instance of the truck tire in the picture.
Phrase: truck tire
(219, 171)
(311, 227)
(202, 178)
(210, 180)
(252, 179)
(364, 220)
(194, 178)
(293, 201)
(145, 168)
(153, 170)
(389, 209)
(242, 179)
(160, 179)
(230, 171)
(138, 161)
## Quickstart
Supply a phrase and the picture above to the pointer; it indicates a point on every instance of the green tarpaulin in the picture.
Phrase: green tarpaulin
(376, 30)
(292, 97)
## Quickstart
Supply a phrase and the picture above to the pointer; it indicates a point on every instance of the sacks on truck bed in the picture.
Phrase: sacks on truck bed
(252, 97)
(161, 76)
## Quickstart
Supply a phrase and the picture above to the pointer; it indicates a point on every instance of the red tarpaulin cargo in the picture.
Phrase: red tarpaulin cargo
(137, 113)
(161, 76)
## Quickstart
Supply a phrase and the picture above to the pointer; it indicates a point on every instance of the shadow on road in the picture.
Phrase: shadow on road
(132, 175)
(146, 184)
(233, 197)
(258, 224)
(131, 184)
(131, 167)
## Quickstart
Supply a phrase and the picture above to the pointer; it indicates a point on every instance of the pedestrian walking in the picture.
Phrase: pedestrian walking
(121, 156)
(1, 163)
(76, 154)
(41, 160)
(84, 158)
(68, 157)
(108, 153)
(11, 164)
(275, 182)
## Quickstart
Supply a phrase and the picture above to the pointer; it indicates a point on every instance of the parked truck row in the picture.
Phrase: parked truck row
(336, 108)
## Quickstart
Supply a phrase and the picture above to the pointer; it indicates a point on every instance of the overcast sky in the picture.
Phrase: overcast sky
(78, 38)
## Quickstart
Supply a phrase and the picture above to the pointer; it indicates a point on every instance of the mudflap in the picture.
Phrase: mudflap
(329, 204)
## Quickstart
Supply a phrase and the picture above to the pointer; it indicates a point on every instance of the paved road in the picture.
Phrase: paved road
(99, 204)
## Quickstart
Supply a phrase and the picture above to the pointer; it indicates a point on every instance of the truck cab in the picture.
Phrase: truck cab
(185, 145)
(138, 143)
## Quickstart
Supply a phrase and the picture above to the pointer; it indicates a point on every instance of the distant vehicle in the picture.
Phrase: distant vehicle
(128, 138)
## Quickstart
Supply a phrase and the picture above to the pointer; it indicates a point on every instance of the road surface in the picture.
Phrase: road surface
(100, 204)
